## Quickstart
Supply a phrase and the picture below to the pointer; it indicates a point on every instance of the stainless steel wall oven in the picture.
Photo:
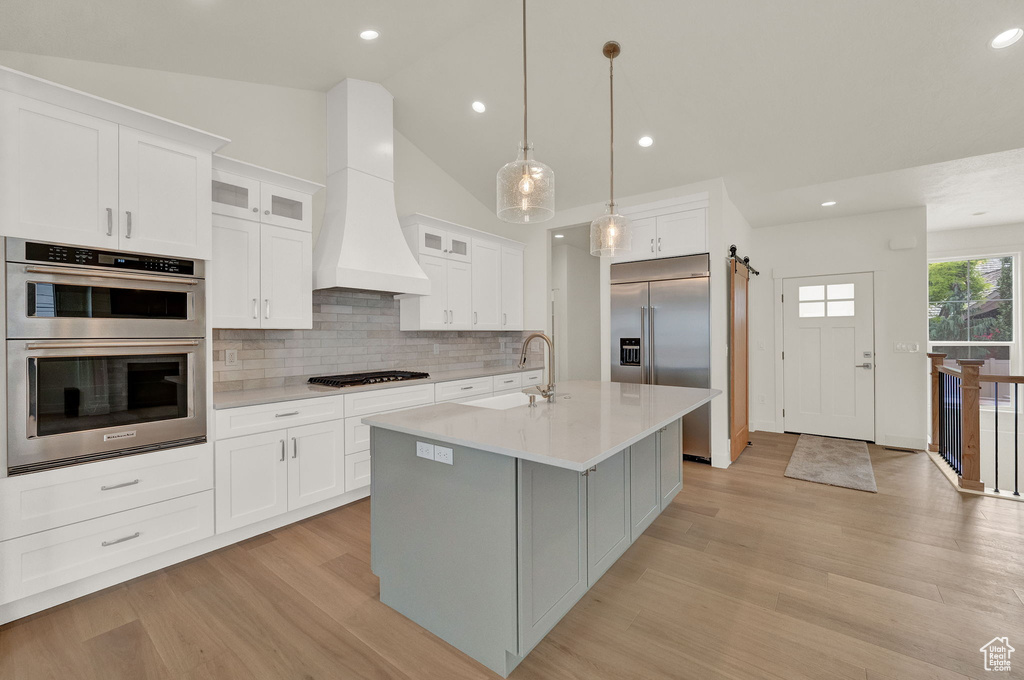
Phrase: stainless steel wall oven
(106, 354)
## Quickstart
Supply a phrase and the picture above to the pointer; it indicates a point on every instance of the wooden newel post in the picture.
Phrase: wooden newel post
(936, 361)
(970, 413)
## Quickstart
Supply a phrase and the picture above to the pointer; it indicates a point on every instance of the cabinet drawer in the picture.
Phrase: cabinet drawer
(459, 389)
(235, 422)
(533, 377)
(357, 470)
(390, 399)
(357, 435)
(47, 500)
(32, 564)
(509, 381)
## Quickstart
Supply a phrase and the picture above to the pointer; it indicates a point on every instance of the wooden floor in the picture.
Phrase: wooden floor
(747, 575)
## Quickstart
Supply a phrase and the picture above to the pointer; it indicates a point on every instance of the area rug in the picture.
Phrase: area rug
(837, 462)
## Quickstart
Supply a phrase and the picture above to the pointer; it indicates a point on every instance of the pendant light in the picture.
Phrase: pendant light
(612, 233)
(526, 187)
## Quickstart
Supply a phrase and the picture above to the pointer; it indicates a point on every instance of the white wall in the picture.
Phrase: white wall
(285, 129)
(576, 275)
(845, 245)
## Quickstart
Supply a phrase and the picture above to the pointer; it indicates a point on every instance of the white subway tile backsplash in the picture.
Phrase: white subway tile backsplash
(355, 331)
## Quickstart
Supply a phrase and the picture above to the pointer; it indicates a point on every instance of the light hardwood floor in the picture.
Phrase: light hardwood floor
(747, 575)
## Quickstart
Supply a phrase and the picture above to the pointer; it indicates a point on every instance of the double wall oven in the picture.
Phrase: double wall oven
(106, 354)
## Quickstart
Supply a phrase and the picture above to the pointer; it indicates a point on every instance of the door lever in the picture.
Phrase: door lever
(867, 365)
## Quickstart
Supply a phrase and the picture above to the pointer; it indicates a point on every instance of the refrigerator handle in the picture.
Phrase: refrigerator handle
(643, 345)
(650, 336)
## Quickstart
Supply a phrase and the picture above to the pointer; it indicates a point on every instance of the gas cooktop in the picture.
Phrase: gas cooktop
(349, 379)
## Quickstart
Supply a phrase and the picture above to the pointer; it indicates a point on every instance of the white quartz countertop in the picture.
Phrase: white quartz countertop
(588, 422)
(272, 395)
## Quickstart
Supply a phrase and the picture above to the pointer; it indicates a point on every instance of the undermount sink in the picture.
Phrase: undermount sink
(505, 401)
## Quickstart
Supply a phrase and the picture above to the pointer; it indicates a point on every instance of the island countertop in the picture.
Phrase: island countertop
(587, 423)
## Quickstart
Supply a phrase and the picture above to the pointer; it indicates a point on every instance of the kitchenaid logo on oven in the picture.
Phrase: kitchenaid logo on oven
(997, 654)
(119, 435)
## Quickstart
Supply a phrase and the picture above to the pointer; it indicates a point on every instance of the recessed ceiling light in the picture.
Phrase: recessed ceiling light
(369, 34)
(559, 235)
(645, 141)
(828, 204)
(1007, 38)
(479, 107)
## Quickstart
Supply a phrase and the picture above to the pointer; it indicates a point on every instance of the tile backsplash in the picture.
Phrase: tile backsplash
(355, 331)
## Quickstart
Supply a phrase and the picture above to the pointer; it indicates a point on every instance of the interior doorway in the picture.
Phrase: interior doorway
(828, 356)
(575, 305)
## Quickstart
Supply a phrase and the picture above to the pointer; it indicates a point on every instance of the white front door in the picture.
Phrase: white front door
(829, 356)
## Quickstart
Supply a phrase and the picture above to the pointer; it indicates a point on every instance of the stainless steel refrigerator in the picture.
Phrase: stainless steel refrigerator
(661, 332)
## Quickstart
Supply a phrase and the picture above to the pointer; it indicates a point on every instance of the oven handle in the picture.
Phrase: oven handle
(60, 271)
(101, 344)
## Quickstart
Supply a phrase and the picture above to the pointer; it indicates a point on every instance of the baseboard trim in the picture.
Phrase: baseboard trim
(71, 591)
(915, 443)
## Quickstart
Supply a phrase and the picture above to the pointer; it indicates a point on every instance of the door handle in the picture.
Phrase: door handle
(295, 447)
(474, 317)
(128, 232)
(266, 303)
(110, 221)
(652, 245)
(659, 244)
(121, 276)
(282, 451)
(255, 308)
(643, 343)
(650, 339)
(867, 365)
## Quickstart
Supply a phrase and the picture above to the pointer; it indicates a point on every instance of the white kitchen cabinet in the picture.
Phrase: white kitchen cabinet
(286, 277)
(608, 507)
(58, 178)
(235, 195)
(476, 278)
(316, 466)
(164, 196)
(670, 459)
(668, 229)
(235, 273)
(460, 296)
(88, 172)
(261, 275)
(252, 479)
(511, 288)
(487, 285)
(357, 470)
(682, 233)
(285, 207)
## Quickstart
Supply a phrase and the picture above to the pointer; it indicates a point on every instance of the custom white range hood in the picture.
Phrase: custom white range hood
(361, 244)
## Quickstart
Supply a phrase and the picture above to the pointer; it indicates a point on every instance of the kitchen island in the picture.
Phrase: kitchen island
(489, 521)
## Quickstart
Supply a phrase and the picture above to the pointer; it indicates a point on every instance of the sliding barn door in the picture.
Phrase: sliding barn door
(739, 364)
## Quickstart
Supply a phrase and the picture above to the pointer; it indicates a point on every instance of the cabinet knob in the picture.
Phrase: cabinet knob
(266, 212)
(256, 210)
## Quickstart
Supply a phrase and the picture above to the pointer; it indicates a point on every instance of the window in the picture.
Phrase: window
(971, 313)
(832, 300)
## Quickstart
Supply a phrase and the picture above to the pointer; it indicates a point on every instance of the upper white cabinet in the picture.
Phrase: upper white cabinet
(246, 197)
(476, 278)
(511, 289)
(88, 172)
(668, 229)
(262, 269)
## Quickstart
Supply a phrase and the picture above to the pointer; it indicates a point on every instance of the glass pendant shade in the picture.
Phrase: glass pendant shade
(611, 234)
(526, 190)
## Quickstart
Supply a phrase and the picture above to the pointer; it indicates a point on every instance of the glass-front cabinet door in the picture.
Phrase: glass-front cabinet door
(285, 207)
(235, 196)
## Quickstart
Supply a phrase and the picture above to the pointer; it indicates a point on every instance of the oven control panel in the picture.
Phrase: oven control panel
(48, 252)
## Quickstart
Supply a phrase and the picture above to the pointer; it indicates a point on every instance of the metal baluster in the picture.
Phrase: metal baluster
(942, 416)
(1016, 435)
(960, 426)
(996, 487)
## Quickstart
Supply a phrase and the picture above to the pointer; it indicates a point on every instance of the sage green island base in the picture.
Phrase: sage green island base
(491, 551)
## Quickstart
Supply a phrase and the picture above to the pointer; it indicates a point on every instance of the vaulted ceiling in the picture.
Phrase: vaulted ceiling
(872, 103)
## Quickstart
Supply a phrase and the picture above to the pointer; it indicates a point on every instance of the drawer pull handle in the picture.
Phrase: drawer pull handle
(468, 387)
(121, 540)
(509, 382)
(119, 486)
(285, 415)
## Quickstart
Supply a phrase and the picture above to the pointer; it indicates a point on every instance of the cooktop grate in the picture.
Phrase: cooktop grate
(349, 379)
